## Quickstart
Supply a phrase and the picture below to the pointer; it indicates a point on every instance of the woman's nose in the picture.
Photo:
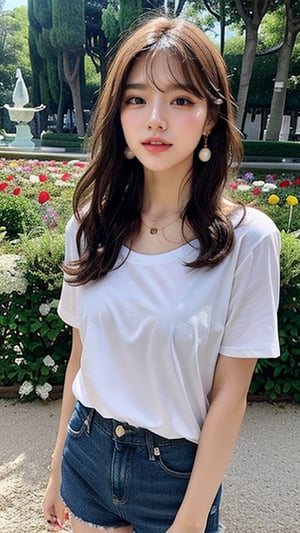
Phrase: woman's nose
(155, 120)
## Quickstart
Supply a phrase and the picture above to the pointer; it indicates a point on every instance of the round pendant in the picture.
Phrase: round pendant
(153, 231)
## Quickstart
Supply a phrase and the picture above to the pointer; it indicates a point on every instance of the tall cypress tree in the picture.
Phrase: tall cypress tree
(68, 36)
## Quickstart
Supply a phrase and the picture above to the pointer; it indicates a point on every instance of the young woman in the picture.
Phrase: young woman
(171, 291)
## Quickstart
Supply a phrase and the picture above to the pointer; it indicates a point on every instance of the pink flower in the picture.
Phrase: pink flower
(256, 191)
(43, 177)
(43, 197)
(16, 191)
(232, 185)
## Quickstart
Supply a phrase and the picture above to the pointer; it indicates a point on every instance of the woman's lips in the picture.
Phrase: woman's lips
(156, 145)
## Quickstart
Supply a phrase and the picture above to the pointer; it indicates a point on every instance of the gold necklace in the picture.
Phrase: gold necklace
(154, 229)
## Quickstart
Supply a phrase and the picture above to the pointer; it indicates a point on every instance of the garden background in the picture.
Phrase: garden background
(35, 204)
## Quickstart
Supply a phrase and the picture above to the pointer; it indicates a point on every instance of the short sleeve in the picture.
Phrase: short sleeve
(67, 307)
(251, 325)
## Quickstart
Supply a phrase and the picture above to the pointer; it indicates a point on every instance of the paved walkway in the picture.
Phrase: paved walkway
(261, 488)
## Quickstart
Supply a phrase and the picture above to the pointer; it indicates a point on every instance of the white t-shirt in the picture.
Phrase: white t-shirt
(152, 329)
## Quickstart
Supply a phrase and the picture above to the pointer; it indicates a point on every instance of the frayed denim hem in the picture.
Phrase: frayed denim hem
(89, 524)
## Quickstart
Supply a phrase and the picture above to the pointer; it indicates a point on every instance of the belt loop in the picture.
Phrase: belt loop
(150, 445)
(88, 420)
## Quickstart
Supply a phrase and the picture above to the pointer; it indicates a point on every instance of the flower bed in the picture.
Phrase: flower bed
(35, 204)
(276, 195)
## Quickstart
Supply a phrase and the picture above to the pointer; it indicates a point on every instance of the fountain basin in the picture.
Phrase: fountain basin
(22, 115)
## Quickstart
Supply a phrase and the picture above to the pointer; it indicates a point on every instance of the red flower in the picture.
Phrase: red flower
(10, 177)
(66, 176)
(285, 183)
(3, 186)
(256, 191)
(43, 197)
(42, 177)
(232, 185)
(17, 191)
(296, 182)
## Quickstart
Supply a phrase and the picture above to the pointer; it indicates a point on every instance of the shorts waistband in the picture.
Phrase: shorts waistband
(124, 432)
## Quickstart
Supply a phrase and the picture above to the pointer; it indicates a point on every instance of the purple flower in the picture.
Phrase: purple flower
(248, 176)
(50, 218)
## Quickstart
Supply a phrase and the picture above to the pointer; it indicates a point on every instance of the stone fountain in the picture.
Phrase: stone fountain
(22, 115)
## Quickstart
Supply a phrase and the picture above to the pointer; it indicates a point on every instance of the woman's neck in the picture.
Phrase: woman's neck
(164, 195)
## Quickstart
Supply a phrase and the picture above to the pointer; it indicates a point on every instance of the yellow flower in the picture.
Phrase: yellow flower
(292, 200)
(273, 199)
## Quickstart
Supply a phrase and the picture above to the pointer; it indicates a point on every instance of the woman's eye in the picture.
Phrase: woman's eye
(181, 101)
(135, 100)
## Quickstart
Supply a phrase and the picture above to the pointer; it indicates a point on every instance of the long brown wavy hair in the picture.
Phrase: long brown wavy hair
(108, 198)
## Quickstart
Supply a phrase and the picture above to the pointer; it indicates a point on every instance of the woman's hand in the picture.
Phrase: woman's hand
(54, 509)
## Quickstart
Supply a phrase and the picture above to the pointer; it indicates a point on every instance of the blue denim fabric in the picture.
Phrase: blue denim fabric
(114, 474)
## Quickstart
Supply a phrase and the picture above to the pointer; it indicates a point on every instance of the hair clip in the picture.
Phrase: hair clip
(218, 101)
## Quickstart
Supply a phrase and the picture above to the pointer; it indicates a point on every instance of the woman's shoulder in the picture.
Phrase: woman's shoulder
(72, 225)
(253, 226)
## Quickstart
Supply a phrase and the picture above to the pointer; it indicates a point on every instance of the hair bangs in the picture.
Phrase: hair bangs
(182, 69)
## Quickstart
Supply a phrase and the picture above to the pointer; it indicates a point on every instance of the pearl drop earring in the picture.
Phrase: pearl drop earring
(205, 152)
(128, 153)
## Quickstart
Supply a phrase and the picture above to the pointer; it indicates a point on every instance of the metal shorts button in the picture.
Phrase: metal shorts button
(120, 431)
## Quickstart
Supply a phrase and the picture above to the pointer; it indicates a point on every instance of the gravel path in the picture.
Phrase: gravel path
(261, 488)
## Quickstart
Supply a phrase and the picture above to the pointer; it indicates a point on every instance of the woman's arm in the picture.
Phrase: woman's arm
(217, 442)
(53, 506)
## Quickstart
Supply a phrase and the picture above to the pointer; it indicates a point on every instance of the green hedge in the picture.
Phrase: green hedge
(63, 140)
(272, 150)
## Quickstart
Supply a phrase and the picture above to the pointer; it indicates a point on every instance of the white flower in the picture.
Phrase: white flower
(61, 183)
(269, 187)
(26, 388)
(55, 369)
(44, 309)
(243, 187)
(48, 361)
(43, 390)
(12, 278)
(19, 360)
(258, 183)
(34, 179)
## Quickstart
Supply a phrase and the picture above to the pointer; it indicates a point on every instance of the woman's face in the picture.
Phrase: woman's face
(162, 124)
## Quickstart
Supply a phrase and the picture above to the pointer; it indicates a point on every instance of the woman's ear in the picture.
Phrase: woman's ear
(212, 119)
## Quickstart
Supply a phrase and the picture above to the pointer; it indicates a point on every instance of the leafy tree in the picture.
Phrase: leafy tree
(252, 13)
(223, 12)
(281, 80)
(13, 51)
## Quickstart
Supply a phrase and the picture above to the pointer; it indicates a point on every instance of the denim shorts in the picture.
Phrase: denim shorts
(115, 475)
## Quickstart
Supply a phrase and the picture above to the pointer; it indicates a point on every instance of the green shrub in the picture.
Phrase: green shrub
(43, 256)
(276, 377)
(64, 140)
(34, 341)
(280, 215)
(274, 150)
(18, 214)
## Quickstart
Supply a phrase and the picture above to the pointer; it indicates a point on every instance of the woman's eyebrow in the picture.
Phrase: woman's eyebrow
(170, 87)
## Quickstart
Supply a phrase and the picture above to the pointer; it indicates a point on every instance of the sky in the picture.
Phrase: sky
(11, 4)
